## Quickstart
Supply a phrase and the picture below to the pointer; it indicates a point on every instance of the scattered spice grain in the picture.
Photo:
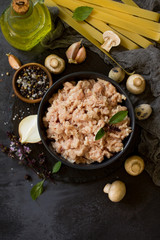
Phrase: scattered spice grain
(27, 177)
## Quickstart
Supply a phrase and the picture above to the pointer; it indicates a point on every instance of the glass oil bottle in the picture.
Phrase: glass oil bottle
(25, 23)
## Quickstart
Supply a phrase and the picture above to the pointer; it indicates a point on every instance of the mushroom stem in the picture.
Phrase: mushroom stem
(107, 187)
(107, 44)
(54, 62)
(136, 167)
(137, 82)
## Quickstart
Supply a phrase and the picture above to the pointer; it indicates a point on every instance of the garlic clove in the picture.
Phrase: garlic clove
(81, 55)
(14, 62)
(72, 51)
(28, 130)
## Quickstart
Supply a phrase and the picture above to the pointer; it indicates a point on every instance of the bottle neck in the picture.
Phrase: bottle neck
(21, 8)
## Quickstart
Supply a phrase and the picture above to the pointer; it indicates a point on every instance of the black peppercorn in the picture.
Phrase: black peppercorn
(27, 177)
(30, 78)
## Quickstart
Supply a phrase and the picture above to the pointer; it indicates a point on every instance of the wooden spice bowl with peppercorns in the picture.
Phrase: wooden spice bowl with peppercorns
(31, 81)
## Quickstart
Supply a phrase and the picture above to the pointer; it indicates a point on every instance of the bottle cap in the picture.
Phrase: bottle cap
(20, 6)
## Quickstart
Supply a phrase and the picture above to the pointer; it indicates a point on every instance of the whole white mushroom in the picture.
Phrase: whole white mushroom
(116, 191)
(116, 74)
(134, 165)
(143, 111)
(136, 84)
(54, 64)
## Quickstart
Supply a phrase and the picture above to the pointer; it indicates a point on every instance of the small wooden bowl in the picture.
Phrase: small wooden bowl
(16, 75)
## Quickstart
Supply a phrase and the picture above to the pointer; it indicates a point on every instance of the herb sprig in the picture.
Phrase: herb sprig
(21, 152)
(118, 117)
(38, 189)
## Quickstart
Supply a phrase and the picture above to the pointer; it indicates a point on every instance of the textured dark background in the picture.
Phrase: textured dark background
(68, 210)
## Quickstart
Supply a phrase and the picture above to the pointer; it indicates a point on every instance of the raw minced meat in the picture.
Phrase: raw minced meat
(76, 114)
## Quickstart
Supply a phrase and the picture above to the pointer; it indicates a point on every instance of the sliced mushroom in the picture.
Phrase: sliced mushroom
(143, 111)
(116, 191)
(134, 165)
(110, 40)
(135, 84)
(117, 74)
(54, 64)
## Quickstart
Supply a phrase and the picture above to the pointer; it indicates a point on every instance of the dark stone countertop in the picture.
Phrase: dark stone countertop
(68, 210)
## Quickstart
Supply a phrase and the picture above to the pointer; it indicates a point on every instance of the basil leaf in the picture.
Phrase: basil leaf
(56, 167)
(118, 117)
(37, 190)
(82, 13)
(100, 134)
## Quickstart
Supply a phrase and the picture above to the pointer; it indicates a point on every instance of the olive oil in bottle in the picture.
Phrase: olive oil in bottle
(24, 24)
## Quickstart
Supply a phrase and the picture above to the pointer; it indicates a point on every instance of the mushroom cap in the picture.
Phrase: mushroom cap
(135, 84)
(117, 74)
(113, 36)
(116, 191)
(134, 165)
(110, 40)
(143, 111)
(54, 64)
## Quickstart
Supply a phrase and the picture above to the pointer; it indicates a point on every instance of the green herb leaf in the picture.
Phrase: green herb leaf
(37, 190)
(100, 134)
(82, 13)
(118, 117)
(56, 167)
